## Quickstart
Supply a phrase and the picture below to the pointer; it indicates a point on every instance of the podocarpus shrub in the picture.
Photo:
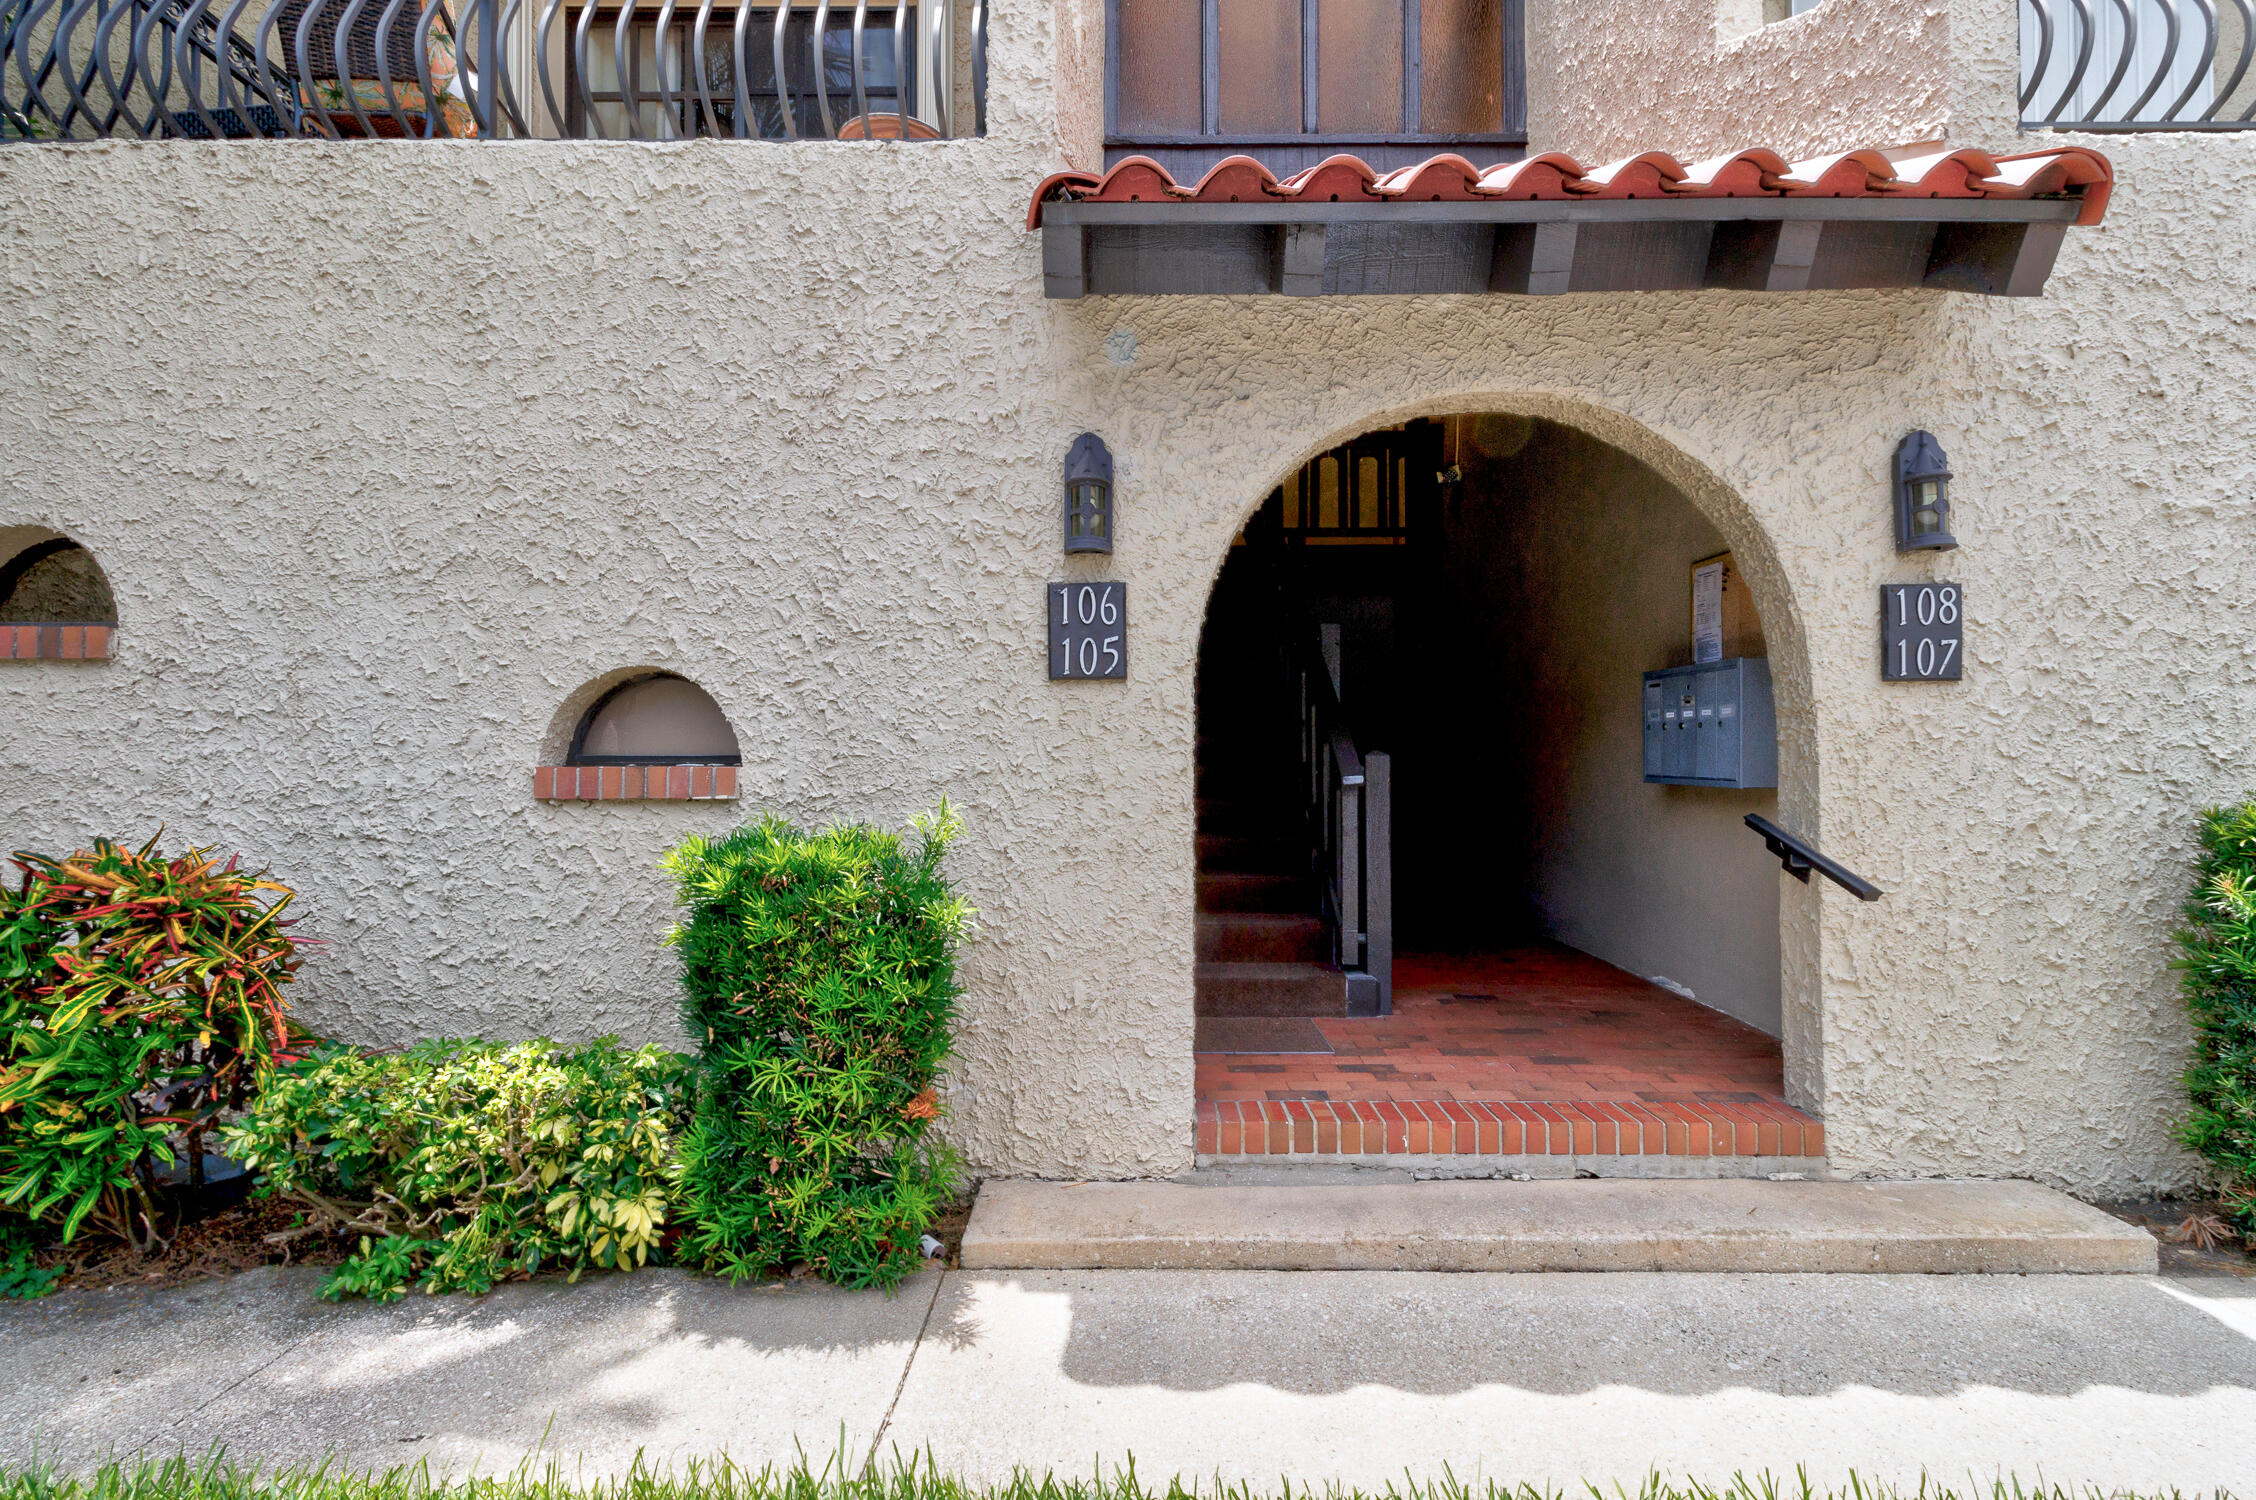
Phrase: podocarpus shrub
(818, 972)
(2218, 956)
(140, 997)
(462, 1164)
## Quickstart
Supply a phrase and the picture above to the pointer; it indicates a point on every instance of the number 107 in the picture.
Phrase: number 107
(1930, 661)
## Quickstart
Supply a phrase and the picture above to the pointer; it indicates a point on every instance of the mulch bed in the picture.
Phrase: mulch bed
(234, 1239)
(2180, 1224)
(948, 1229)
(231, 1240)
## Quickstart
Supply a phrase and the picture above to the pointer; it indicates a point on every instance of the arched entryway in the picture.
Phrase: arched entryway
(1451, 903)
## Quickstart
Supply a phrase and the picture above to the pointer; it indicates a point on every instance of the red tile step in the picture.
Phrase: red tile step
(1455, 1127)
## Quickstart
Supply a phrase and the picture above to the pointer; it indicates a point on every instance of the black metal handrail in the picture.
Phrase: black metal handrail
(2138, 64)
(1349, 797)
(489, 69)
(1798, 858)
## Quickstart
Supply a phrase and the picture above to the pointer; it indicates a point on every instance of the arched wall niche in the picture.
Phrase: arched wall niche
(657, 719)
(46, 575)
(55, 600)
(642, 733)
(1757, 556)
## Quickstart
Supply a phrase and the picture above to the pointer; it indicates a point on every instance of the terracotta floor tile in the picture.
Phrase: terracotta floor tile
(1538, 1022)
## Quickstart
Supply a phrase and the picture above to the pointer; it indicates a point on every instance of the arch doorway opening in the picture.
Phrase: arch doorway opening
(1459, 895)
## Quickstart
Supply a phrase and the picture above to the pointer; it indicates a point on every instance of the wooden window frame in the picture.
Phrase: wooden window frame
(1406, 462)
(1512, 17)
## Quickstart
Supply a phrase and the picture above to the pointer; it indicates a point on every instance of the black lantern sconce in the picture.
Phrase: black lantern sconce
(1922, 495)
(1088, 495)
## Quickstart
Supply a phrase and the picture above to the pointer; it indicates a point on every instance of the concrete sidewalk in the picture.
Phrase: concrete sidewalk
(1354, 1376)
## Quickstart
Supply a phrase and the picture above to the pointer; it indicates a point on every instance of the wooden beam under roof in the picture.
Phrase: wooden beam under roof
(1987, 246)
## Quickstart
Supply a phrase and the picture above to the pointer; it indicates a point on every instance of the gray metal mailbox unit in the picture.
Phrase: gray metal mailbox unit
(1711, 725)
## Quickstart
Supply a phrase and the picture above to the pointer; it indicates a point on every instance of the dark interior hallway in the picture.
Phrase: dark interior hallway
(1485, 593)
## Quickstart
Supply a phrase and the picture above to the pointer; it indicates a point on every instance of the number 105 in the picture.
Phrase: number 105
(1090, 656)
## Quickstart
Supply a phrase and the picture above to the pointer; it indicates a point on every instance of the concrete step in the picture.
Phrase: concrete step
(1250, 854)
(2004, 1227)
(1262, 938)
(1272, 989)
(1259, 817)
(1278, 894)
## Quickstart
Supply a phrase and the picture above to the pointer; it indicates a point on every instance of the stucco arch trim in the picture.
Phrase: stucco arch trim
(1759, 561)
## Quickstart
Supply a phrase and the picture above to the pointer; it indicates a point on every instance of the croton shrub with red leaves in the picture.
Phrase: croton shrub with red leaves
(140, 998)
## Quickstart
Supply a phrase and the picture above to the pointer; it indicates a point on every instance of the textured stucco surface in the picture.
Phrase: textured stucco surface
(390, 451)
(1848, 73)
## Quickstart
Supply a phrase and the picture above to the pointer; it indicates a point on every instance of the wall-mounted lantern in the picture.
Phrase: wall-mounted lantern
(1922, 495)
(1088, 495)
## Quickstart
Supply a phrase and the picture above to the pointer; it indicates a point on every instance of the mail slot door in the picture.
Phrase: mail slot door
(1656, 743)
(1682, 707)
(1715, 725)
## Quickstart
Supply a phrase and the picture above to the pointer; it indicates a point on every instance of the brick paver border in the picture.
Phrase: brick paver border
(1566, 1127)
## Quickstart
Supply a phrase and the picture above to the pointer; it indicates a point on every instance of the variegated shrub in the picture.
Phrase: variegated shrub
(461, 1164)
(141, 997)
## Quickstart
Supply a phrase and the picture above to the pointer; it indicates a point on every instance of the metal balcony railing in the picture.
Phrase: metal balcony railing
(491, 69)
(2138, 64)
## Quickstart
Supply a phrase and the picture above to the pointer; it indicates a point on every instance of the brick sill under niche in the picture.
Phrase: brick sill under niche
(49, 640)
(692, 783)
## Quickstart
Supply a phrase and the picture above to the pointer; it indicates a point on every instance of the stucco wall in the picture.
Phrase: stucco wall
(1848, 73)
(389, 449)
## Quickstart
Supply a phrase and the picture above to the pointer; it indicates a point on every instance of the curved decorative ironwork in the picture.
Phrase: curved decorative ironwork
(631, 70)
(2138, 64)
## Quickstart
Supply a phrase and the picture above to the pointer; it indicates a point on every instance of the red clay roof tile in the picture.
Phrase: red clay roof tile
(1447, 178)
(2032, 174)
(1942, 174)
(1335, 179)
(1742, 174)
(1550, 175)
(1845, 174)
(1556, 177)
(1233, 179)
(1649, 174)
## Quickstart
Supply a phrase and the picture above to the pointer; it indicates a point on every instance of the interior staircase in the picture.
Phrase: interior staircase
(1263, 949)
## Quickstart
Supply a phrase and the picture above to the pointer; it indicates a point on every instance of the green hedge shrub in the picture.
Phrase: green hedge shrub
(21, 1276)
(466, 1163)
(2218, 954)
(818, 972)
(140, 998)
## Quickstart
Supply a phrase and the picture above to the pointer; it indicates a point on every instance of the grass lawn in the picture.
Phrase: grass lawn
(216, 1477)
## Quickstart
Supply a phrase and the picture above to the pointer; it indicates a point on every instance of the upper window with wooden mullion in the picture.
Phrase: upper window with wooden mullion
(1303, 71)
